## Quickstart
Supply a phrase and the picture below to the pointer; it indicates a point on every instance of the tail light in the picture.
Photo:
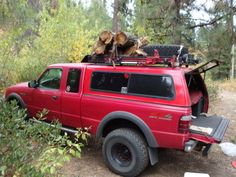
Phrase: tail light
(184, 124)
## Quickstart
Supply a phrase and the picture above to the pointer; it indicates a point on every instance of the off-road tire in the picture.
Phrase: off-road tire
(136, 148)
(165, 51)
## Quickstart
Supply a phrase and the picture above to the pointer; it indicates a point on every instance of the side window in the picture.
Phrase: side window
(151, 85)
(51, 79)
(73, 80)
(114, 82)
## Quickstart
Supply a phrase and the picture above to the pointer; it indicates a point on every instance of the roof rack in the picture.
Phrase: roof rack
(171, 55)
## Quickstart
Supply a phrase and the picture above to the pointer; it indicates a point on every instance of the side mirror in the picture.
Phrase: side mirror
(33, 84)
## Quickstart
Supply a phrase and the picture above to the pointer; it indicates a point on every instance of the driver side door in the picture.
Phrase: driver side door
(48, 95)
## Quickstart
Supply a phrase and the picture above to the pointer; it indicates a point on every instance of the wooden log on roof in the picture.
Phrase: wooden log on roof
(104, 43)
(119, 44)
(134, 51)
(124, 40)
(106, 37)
(99, 48)
(142, 41)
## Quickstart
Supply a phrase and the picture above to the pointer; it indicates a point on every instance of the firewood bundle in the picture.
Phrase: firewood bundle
(121, 43)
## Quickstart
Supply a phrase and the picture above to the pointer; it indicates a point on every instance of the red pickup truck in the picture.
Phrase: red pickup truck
(136, 109)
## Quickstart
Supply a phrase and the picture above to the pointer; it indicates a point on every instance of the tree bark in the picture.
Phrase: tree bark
(116, 18)
(176, 22)
(35, 4)
(231, 28)
(104, 2)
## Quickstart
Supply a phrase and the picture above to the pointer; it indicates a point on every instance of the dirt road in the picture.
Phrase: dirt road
(172, 163)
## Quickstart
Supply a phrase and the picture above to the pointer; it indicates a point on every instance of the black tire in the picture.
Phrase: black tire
(165, 51)
(125, 152)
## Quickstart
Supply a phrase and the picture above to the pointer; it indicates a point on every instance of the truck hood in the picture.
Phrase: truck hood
(17, 87)
(20, 85)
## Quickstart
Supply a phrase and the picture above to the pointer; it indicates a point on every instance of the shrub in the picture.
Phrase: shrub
(30, 149)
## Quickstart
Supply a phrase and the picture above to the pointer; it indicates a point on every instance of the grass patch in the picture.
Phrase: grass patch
(229, 85)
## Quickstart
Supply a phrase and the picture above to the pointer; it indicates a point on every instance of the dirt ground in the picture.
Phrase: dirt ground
(172, 163)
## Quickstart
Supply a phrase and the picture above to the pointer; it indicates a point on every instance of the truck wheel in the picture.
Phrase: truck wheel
(165, 51)
(125, 152)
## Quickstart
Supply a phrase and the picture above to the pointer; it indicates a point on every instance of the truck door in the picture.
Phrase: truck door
(71, 97)
(48, 95)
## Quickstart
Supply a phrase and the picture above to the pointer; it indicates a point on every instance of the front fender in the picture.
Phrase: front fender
(13, 96)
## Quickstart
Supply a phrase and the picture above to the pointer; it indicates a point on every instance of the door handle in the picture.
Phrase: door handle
(54, 97)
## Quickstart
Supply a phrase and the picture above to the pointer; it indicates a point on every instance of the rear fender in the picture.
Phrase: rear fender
(132, 118)
(152, 143)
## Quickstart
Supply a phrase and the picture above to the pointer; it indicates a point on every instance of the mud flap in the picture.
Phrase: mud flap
(206, 150)
(153, 155)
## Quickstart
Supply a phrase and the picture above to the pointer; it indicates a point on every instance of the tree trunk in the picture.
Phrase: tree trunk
(104, 2)
(231, 28)
(116, 18)
(35, 4)
(177, 21)
(54, 4)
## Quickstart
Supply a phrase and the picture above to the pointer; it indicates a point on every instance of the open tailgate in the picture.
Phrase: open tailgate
(208, 129)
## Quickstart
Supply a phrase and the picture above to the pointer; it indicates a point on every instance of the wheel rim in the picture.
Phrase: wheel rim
(121, 154)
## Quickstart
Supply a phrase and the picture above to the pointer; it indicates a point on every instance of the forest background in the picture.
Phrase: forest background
(36, 33)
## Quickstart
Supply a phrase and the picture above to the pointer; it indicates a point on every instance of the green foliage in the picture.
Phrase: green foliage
(7, 59)
(158, 21)
(30, 149)
(15, 15)
(64, 34)
(56, 36)
(92, 21)
(216, 45)
(146, 23)
(34, 34)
